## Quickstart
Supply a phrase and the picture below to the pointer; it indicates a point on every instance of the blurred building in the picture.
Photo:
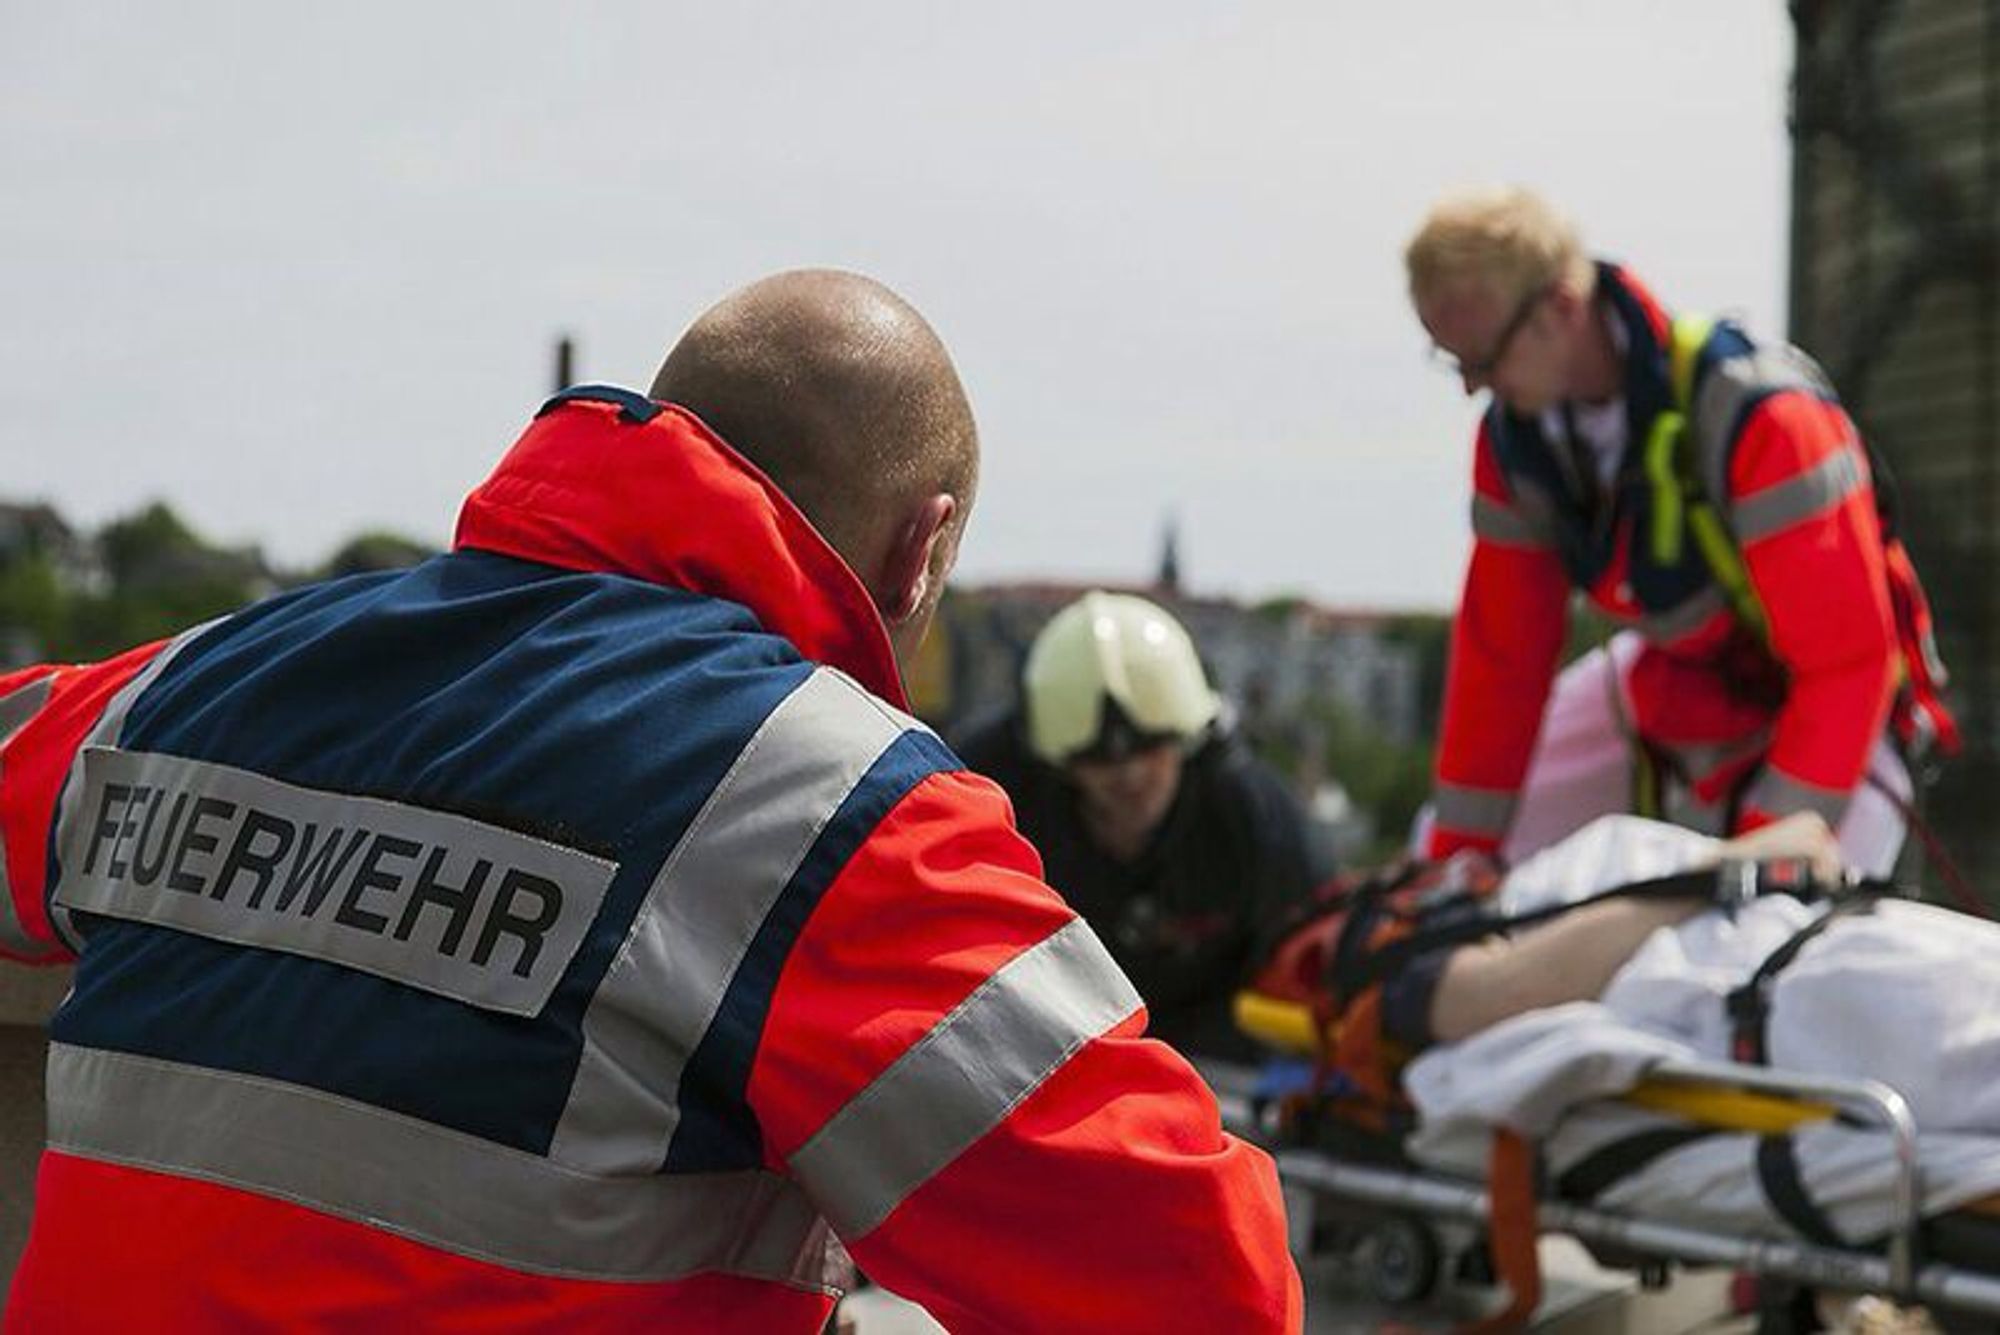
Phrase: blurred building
(1290, 670)
(1274, 661)
(1895, 288)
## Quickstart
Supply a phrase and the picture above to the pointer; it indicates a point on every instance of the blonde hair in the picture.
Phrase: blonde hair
(1505, 237)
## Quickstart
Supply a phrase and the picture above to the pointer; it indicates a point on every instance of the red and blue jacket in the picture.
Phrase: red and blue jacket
(1758, 726)
(572, 932)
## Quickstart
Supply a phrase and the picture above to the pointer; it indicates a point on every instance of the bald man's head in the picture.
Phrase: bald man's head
(842, 394)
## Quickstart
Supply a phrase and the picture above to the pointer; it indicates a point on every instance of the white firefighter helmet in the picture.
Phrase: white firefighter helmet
(1110, 674)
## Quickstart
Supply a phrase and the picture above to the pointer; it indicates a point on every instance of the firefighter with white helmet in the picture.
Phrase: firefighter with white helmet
(1152, 817)
(1111, 666)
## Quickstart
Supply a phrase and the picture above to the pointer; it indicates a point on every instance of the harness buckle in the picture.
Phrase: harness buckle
(1738, 881)
(1749, 1004)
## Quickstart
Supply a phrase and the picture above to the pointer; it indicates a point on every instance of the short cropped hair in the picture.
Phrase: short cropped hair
(1506, 238)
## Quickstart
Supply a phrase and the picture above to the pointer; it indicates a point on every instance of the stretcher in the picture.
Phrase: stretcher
(1413, 1231)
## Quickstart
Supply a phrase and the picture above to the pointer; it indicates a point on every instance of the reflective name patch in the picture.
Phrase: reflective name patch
(467, 910)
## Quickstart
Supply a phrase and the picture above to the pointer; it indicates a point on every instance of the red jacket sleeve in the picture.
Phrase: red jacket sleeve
(955, 1071)
(1505, 642)
(1803, 510)
(46, 713)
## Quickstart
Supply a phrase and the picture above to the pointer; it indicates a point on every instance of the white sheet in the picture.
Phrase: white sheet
(1906, 994)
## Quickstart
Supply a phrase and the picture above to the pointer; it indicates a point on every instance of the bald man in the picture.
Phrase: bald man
(575, 933)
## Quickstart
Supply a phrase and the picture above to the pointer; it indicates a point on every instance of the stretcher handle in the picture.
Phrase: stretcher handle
(1728, 1109)
(1285, 1025)
(1871, 1100)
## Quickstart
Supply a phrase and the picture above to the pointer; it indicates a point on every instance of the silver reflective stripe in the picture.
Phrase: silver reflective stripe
(15, 710)
(22, 704)
(701, 914)
(432, 900)
(1503, 524)
(1683, 808)
(1535, 504)
(1691, 615)
(425, 1182)
(1473, 810)
(1779, 794)
(1697, 760)
(963, 1077)
(105, 733)
(1773, 509)
(1728, 387)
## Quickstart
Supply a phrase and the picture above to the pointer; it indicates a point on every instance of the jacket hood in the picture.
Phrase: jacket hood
(606, 480)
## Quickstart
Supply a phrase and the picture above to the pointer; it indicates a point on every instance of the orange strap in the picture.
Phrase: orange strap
(1357, 1048)
(1512, 1232)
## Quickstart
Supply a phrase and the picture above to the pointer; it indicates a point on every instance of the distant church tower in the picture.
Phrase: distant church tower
(1169, 578)
(565, 363)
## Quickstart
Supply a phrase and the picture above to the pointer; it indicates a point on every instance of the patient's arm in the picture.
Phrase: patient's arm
(1570, 959)
(1574, 957)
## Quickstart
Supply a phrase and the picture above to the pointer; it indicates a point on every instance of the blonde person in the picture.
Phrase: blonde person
(1706, 492)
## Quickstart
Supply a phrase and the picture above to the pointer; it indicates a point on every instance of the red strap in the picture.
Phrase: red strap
(1911, 611)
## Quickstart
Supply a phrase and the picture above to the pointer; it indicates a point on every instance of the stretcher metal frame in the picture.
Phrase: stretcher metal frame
(1897, 1271)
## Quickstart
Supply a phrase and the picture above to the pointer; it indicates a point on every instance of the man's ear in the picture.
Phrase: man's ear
(1572, 307)
(910, 563)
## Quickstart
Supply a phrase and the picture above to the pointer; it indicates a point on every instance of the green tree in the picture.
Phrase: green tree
(146, 546)
(376, 550)
(31, 599)
(163, 578)
(1386, 779)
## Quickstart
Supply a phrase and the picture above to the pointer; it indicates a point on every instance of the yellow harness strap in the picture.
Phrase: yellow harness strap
(1680, 504)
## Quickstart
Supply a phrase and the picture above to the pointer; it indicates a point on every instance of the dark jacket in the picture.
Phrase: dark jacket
(1188, 916)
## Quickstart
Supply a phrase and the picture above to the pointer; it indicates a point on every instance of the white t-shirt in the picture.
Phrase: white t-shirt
(1601, 426)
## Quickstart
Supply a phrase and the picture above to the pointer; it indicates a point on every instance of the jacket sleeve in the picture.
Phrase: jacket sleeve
(955, 1071)
(1803, 510)
(1505, 642)
(46, 715)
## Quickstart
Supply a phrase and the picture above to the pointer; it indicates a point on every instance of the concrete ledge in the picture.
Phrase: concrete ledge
(30, 995)
(23, 1052)
(27, 997)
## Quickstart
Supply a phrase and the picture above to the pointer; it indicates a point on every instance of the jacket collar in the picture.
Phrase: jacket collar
(605, 480)
(1648, 329)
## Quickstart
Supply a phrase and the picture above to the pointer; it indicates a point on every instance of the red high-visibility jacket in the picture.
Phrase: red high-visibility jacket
(1786, 466)
(573, 933)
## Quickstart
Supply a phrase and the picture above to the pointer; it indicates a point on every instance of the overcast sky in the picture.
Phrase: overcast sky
(297, 269)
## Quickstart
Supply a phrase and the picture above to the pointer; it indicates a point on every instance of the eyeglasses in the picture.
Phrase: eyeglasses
(1481, 368)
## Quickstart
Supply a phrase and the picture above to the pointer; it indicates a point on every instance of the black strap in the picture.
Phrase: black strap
(1778, 1174)
(1356, 967)
(1611, 1164)
(1339, 894)
(1749, 1006)
(636, 409)
(1749, 1009)
(1583, 464)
